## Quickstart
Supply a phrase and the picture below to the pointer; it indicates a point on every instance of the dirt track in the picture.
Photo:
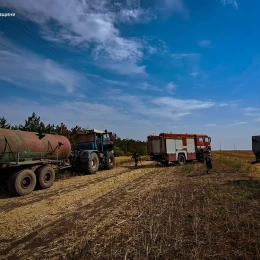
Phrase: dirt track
(145, 213)
(53, 222)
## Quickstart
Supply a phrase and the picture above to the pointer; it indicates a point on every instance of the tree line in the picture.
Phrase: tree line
(34, 124)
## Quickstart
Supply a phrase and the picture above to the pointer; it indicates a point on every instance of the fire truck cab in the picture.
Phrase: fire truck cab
(177, 148)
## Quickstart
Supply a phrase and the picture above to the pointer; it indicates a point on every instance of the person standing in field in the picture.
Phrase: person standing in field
(208, 160)
(136, 158)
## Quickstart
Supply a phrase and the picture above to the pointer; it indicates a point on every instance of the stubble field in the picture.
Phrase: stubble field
(149, 212)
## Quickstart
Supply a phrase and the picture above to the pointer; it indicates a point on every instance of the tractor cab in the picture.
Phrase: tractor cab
(94, 150)
(95, 140)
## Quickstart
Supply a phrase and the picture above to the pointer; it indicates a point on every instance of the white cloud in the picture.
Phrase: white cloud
(184, 55)
(34, 72)
(210, 125)
(87, 22)
(168, 7)
(171, 87)
(194, 74)
(136, 15)
(223, 104)
(146, 86)
(252, 114)
(229, 2)
(122, 68)
(116, 82)
(182, 104)
(205, 43)
(251, 109)
(238, 123)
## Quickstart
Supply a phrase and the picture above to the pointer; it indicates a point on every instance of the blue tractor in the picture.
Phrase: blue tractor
(94, 150)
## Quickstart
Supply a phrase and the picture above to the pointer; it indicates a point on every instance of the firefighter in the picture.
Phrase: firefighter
(208, 160)
(136, 157)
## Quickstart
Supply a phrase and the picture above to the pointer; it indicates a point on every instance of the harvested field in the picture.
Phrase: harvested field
(146, 213)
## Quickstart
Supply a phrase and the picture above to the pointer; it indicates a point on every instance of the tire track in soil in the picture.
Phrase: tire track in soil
(48, 193)
(57, 230)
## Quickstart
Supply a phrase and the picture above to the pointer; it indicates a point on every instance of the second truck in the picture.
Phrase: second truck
(177, 148)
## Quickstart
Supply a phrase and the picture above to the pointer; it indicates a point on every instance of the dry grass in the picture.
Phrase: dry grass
(146, 213)
(202, 217)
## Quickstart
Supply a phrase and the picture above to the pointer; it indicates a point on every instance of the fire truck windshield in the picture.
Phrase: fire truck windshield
(207, 139)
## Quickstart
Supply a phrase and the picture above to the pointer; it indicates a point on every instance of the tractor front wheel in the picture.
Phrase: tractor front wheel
(91, 165)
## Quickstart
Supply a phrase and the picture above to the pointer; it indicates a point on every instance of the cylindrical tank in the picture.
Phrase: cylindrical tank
(21, 146)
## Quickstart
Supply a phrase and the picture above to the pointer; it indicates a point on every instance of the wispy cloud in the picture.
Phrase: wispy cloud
(238, 123)
(230, 103)
(147, 87)
(171, 87)
(91, 24)
(252, 112)
(194, 74)
(183, 104)
(168, 7)
(116, 82)
(121, 68)
(251, 109)
(33, 72)
(210, 125)
(223, 104)
(229, 2)
(136, 15)
(184, 55)
(205, 43)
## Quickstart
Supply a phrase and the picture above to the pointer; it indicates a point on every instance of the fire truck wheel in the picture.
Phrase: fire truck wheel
(181, 159)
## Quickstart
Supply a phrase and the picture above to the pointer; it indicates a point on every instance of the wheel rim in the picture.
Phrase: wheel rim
(93, 164)
(26, 182)
(47, 177)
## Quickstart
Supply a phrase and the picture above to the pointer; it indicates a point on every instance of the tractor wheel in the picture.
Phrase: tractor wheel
(110, 161)
(181, 159)
(22, 182)
(45, 177)
(91, 165)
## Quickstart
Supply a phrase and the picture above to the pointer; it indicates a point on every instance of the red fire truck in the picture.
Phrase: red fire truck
(177, 148)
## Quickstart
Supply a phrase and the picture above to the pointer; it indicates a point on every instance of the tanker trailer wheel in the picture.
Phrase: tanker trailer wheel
(181, 159)
(110, 161)
(45, 176)
(22, 182)
(91, 165)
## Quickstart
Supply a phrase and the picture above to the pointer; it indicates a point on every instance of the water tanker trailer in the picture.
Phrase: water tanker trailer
(27, 159)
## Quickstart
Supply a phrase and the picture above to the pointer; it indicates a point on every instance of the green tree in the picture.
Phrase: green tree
(50, 129)
(32, 124)
(62, 130)
(4, 124)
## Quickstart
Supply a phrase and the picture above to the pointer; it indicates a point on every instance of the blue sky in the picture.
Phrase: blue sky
(134, 67)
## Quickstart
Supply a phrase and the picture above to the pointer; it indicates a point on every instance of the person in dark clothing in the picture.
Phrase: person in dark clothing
(136, 158)
(208, 160)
